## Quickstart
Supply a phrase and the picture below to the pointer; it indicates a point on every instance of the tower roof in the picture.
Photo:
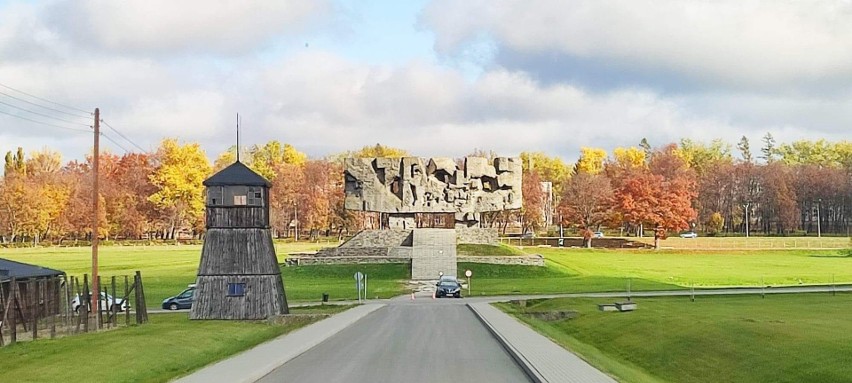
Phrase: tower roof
(236, 174)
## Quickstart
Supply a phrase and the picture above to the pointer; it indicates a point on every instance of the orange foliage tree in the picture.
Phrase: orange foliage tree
(660, 196)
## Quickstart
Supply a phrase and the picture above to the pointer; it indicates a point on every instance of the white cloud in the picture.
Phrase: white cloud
(325, 103)
(735, 42)
(185, 26)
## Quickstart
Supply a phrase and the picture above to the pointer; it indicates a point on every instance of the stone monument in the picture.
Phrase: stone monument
(404, 188)
(435, 198)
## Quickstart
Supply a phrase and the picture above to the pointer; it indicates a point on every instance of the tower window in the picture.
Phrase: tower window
(255, 197)
(236, 289)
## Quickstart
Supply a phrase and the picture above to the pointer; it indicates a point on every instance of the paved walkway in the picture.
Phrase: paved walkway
(253, 364)
(543, 360)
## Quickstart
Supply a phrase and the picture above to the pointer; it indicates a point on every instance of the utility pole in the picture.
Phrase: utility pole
(819, 229)
(95, 204)
(296, 219)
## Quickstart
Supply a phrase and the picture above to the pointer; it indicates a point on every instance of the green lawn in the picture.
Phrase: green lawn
(169, 346)
(706, 268)
(783, 338)
(307, 283)
(491, 279)
(167, 270)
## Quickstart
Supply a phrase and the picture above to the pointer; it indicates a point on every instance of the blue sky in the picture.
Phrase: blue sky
(436, 77)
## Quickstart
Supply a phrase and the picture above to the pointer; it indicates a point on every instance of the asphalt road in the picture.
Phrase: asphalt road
(423, 341)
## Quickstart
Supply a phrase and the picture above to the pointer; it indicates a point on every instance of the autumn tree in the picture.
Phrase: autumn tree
(264, 159)
(179, 196)
(715, 223)
(549, 168)
(591, 160)
(532, 212)
(702, 157)
(778, 210)
(284, 196)
(660, 196)
(315, 198)
(377, 150)
(586, 201)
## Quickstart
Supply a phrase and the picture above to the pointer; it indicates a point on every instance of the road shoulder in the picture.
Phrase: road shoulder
(543, 360)
(251, 365)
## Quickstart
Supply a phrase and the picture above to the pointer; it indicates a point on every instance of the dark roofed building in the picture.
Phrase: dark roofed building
(26, 275)
(11, 269)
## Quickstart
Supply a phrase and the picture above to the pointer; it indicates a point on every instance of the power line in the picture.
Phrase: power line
(45, 107)
(45, 100)
(123, 136)
(44, 115)
(44, 123)
(116, 143)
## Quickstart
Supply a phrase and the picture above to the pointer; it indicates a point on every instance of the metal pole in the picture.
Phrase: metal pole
(365, 287)
(95, 204)
(746, 220)
(819, 229)
(629, 282)
(693, 291)
(296, 218)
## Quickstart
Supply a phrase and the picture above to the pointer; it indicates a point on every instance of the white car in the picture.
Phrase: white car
(105, 299)
(691, 234)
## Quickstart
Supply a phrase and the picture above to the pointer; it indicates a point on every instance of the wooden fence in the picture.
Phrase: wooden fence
(61, 306)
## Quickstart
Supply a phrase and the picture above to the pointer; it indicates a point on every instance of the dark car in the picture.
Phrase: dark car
(448, 288)
(180, 301)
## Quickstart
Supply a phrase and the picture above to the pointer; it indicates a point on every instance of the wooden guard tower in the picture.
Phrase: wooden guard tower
(238, 277)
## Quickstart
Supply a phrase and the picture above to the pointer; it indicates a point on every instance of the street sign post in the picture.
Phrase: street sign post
(359, 277)
(468, 274)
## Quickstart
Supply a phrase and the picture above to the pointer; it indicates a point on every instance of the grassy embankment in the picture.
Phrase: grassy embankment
(169, 346)
(783, 338)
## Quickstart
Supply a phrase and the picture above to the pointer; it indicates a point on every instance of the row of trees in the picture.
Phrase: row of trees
(804, 185)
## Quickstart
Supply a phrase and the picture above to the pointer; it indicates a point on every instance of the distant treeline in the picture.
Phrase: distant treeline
(705, 186)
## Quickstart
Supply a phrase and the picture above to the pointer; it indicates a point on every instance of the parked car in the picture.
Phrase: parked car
(105, 299)
(691, 234)
(598, 234)
(180, 301)
(448, 288)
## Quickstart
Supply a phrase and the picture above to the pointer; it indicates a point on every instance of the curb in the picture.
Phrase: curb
(249, 366)
(519, 358)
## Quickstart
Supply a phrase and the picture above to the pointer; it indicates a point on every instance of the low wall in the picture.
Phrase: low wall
(523, 260)
(303, 260)
(306, 261)
(379, 238)
(353, 252)
(477, 235)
